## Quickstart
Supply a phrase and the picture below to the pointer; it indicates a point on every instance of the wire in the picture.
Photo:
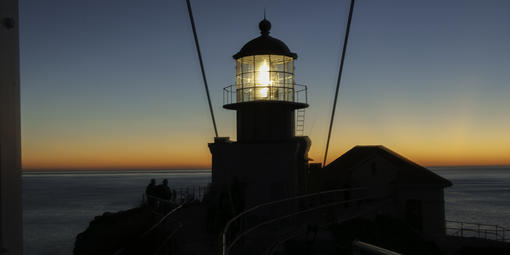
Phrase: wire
(201, 66)
(338, 81)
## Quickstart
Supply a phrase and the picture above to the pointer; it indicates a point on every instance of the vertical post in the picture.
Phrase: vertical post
(306, 95)
(11, 233)
(224, 243)
(355, 248)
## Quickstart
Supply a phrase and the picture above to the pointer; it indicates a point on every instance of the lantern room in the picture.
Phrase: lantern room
(264, 72)
(265, 94)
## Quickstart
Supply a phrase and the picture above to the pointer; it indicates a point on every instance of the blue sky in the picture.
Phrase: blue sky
(110, 84)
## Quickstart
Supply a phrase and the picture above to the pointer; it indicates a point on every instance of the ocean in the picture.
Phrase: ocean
(59, 205)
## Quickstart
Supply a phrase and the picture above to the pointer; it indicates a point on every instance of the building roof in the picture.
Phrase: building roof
(265, 44)
(408, 171)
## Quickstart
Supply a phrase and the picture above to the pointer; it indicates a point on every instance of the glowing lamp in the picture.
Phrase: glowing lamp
(265, 77)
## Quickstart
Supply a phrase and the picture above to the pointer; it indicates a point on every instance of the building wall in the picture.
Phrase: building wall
(265, 121)
(381, 177)
(432, 204)
(377, 174)
(263, 172)
(10, 144)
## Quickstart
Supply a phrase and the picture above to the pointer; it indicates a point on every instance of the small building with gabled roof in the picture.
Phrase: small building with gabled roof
(416, 193)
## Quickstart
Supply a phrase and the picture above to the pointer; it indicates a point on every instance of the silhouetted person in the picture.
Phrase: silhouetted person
(164, 194)
(150, 192)
(164, 191)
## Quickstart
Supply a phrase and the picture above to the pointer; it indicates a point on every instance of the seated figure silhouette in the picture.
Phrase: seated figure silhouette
(150, 193)
(164, 195)
(164, 191)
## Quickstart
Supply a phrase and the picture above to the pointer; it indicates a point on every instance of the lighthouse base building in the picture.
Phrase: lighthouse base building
(260, 172)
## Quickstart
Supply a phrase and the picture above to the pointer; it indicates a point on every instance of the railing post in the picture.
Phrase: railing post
(306, 94)
(462, 229)
(478, 230)
(355, 248)
(224, 243)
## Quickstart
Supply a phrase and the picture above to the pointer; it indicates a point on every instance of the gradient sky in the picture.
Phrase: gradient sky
(116, 83)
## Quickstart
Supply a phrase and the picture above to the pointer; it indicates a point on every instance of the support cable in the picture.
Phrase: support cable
(201, 65)
(338, 81)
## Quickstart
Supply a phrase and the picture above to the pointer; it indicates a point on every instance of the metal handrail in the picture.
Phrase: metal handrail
(293, 214)
(486, 231)
(344, 219)
(372, 248)
(165, 242)
(196, 192)
(162, 220)
(296, 93)
(121, 250)
(263, 205)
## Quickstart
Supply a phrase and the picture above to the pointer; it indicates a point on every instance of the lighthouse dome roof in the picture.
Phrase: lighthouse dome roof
(265, 44)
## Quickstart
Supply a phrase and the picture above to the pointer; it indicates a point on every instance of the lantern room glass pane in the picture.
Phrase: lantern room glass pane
(265, 77)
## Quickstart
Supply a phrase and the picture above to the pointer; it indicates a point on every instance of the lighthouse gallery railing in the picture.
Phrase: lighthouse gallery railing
(297, 94)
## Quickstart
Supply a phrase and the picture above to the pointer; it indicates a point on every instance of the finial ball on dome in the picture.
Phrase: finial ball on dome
(265, 26)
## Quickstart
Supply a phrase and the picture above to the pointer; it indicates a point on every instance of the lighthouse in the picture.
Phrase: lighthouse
(268, 161)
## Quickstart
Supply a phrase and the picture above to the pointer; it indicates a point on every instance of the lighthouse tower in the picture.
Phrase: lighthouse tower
(268, 161)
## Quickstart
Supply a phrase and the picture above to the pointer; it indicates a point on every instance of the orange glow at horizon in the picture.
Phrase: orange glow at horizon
(141, 152)
(456, 142)
(195, 155)
(445, 142)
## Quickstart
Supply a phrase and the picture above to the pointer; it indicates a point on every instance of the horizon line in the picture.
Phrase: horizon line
(208, 168)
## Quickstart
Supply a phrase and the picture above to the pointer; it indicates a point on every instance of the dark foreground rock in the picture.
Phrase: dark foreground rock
(112, 231)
